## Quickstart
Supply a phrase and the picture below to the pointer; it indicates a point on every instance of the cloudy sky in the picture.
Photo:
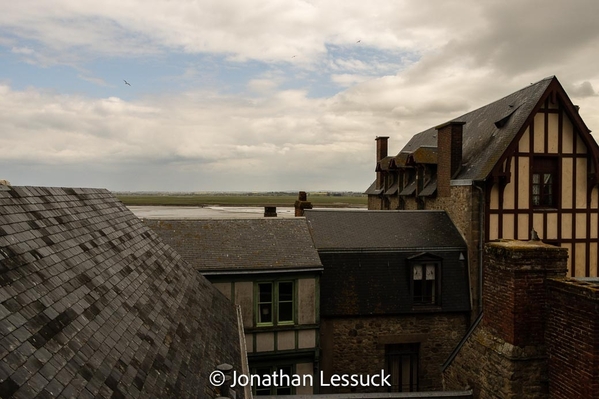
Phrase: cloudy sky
(261, 94)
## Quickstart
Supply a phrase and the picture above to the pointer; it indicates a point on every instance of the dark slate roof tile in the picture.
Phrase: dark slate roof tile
(54, 387)
(240, 244)
(357, 229)
(483, 141)
(81, 279)
(5, 371)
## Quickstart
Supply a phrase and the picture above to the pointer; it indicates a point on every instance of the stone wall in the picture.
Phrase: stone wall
(493, 368)
(357, 345)
(505, 356)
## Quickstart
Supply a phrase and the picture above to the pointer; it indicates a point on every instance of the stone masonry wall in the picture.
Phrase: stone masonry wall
(505, 356)
(357, 345)
(493, 368)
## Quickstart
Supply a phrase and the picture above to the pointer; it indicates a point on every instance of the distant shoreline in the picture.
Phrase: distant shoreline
(248, 200)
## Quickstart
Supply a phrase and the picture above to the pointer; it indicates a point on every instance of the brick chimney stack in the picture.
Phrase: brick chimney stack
(270, 211)
(302, 203)
(515, 292)
(449, 150)
(382, 147)
(506, 354)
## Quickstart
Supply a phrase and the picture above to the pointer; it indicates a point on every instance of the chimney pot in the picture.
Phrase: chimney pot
(382, 143)
(270, 211)
(302, 203)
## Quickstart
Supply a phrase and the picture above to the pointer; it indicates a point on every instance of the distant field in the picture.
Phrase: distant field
(242, 200)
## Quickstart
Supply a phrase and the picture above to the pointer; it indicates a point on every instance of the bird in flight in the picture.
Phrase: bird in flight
(293, 56)
(127, 83)
(359, 41)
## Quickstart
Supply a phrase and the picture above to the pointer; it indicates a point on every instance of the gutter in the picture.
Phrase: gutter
(257, 271)
(458, 347)
(481, 240)
(245, 368)
(394, 250)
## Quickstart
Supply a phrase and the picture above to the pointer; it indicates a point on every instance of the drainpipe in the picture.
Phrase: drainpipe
(481, 239)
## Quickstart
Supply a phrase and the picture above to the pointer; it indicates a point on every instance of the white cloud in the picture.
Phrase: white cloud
(417, 64)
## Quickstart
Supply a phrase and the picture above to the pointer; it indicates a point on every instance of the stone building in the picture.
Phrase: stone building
(524, 162)
(272, 270)
(538, 336)
(394, 295)
(94, 304)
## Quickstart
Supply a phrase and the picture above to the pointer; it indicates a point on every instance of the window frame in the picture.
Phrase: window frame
(273, 390)
(543, 166)
(275, 303)
(423, 262)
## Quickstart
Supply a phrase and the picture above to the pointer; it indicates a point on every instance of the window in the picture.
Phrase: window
(544, 182)
(402, 366)
(283, 384)
(275, 303)
(425, 277)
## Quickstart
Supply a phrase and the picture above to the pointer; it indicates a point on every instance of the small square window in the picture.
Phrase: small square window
(275, 303)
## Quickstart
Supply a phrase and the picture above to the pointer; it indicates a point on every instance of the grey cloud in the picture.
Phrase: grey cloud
(584, 89)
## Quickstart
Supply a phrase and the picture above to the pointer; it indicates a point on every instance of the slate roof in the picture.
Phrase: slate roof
(382, 230)
(367, 257)
(94, 304)
(241, 244)
(488, 131)
(483, 140)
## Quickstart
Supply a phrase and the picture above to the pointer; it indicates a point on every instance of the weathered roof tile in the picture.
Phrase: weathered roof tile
(240, 244)
(81, 281)
(347, 229)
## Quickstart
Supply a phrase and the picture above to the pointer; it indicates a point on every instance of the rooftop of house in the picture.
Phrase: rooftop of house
(367, 257)
(487, 132)
(94, 304)
(382, 230)
(237, 245)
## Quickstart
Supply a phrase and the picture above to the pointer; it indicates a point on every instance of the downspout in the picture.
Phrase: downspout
(481, 239)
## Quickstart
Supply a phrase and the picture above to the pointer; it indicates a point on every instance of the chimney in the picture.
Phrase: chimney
(302, 203)
(382, 143)
(270, 211)
(515, 292)
(449, 154)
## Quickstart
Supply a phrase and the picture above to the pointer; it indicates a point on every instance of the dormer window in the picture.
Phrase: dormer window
(424, 283)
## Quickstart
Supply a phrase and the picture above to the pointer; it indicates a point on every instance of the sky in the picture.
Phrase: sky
(259, 95)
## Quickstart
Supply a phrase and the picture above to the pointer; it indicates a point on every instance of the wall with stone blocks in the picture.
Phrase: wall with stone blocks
(506, 356)
(357, 345)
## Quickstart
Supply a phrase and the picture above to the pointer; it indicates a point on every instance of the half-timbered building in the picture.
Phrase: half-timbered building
(522, 163)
